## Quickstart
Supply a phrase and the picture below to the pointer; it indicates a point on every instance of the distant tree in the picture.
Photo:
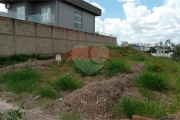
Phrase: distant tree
(151, 50)
(176, 52)
(161, 44)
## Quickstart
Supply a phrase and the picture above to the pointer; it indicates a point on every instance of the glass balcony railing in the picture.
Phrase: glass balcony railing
(42, 18)
(38, 18)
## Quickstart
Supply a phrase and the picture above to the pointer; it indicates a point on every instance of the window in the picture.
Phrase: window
(21, 13)
(46, 14)
(78, 19)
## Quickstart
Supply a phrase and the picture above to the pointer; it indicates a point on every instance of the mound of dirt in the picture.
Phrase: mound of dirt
(38, 65)
(88, 52)
(90, 102)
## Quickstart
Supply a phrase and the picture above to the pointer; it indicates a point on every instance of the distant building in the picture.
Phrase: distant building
(135, 46)
(124, 44)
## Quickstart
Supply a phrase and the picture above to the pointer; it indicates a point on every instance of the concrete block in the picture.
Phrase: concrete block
(59, 46)
(6, 45)
(25, 45)
(95, 38)
(110, 41)
(105, 40)
(89, 44)
(24, 28)
(43, 30)
(6, 25)
(95, 44)
(59, 33)
(89, 37)
(114, 41)
(100, 38)
(44, 46)
(72, 34)
(71, 45)
(81, 36)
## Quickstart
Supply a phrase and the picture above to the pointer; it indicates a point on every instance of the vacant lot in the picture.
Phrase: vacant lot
(92, 83)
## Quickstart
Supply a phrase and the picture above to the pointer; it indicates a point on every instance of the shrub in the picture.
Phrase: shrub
(85, 67)
(21, 81)
(129, 106)
(116, 66)
(152, 81)
(67, 83)
(47, 92)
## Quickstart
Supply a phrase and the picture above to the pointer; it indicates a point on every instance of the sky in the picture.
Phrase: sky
(138, 21)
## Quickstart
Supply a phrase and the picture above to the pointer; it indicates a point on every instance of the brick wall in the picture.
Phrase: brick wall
(23, 37)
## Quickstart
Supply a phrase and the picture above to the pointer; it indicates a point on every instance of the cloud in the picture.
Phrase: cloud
(86, 0)
(132, 1)
(143, 24)
(98, 6)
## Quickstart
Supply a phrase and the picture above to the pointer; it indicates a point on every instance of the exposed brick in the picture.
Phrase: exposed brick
(59, 46)
(89, 37)
(71, 34)
(43, 30)
(44, 46)
(105, 40)
(59, 33)
(6, 45)
(81, 36)
(6, 25)
(25, 45)
(63, 39)
(24, 28)
(71, 45)
(95, 38)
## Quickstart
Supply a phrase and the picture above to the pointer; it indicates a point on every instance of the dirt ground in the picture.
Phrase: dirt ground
(90, 102)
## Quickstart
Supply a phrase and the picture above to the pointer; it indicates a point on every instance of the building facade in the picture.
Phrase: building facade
(78, 15)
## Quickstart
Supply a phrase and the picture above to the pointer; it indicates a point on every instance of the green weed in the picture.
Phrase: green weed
(116, 66)
(86, 67)
(152, 81)
(47, 92)
(67, 83)
(129, 106)
(21, 81)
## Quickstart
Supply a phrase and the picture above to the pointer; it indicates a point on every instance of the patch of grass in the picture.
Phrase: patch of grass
(47, 92)
(154, 67)
(86, 67)
(117, 48)
(116, 66)
(152, 81)
(67, 83)
(139, 58)
(21, 81)
(14, 59)
(70, 116)
(129, 106)
(147, 93)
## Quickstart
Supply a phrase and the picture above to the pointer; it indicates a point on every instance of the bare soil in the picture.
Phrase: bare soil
(39, 65)
(90, 102)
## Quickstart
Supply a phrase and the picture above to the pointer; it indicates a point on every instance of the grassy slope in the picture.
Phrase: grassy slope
(157, 65)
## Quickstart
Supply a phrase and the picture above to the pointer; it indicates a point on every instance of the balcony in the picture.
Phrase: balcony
(42, 18)
(37, 18)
